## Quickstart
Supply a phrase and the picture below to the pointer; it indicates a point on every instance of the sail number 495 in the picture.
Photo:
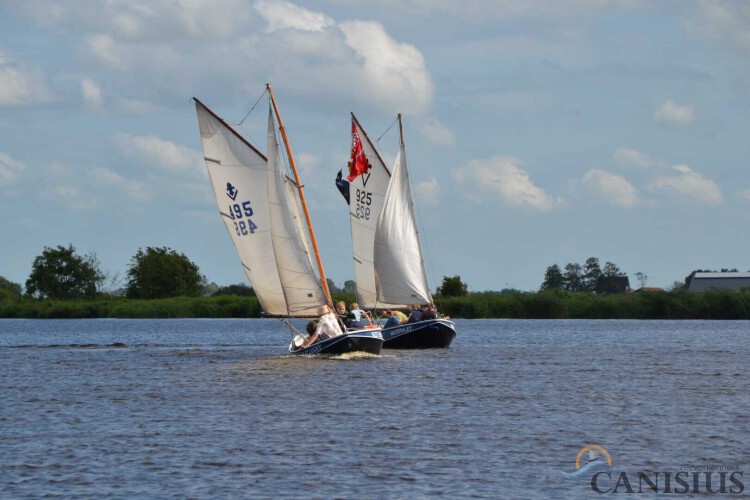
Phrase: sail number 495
(364, 200)
(240, 214)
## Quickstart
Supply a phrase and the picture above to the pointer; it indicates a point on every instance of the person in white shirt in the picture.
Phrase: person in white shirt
(325, 327)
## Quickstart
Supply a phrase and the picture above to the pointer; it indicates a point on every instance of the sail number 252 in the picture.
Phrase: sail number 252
(364, 200)
(240, 213)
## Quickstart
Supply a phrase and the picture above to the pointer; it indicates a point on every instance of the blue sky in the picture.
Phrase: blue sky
(537, 132)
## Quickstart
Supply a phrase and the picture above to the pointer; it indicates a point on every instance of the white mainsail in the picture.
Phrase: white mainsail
(244, 184)
(302, 287)
(399, 267)
(366, 195)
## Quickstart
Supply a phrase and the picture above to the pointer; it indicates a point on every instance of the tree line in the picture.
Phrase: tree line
(60, 273)
(586, 277)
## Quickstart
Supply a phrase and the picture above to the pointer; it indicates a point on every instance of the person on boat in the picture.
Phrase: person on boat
(429, 311)
(416, 314)
(352, 323)
(402, 318)
(341, 309)
(325, 327)
(360, 315)
(392, 319)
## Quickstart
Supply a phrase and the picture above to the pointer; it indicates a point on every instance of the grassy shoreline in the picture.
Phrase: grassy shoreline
(718, 305)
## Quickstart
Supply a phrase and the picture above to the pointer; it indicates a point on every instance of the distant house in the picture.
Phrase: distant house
(647, 289)
(612, 284)
(706, 281)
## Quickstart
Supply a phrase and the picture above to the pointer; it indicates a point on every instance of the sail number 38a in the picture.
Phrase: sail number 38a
(364, 200)
(240, 213)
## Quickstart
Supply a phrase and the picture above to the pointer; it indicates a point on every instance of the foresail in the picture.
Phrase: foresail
(366, 195)
(239, 176)
(302, 287)
(399, 267)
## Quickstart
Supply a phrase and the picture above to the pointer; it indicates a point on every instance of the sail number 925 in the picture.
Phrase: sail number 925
(240, 213)
(364, 200)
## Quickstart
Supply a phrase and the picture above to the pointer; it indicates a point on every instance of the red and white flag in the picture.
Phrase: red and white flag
(358, 165)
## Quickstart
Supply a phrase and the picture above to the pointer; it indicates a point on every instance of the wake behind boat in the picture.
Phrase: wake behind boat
(261, 207)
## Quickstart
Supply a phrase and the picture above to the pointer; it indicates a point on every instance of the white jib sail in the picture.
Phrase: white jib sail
(399, 268)
(366, 195)
(302, 287)
(239, 177)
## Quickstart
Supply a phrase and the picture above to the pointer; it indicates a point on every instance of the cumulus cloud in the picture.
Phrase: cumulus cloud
(157, 152)
(727, 21)
(632, 158)
(92, 95)
(428, 191)
(671, 112)
(688, 185)
(20, 85)
(613, 188)
(390, 71)
(282, 15)
(502, 177)
(10, 170)
(437, 133)
(136, 191)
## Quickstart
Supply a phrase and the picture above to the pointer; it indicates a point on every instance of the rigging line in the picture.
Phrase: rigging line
(251, 109)
(386, 130)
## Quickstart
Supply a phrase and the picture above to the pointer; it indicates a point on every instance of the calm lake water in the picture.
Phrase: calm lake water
(214, 408)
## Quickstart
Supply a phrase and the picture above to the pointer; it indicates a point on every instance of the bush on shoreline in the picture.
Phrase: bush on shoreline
(552, 304)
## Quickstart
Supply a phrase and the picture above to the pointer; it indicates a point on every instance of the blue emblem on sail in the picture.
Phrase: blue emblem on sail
(231, 191)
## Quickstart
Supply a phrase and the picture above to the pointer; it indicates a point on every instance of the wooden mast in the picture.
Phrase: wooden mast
(302, 200)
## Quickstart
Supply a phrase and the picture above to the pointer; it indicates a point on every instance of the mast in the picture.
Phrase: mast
(293, 166)
(400, 130)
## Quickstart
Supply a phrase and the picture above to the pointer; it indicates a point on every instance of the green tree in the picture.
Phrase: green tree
(159, 273)
(573, 277)
(452, 287)
(610, 270)
(553, 278)
(239, 289)
(61, 274)
(350, 286)
(591, 274)
(9, 290)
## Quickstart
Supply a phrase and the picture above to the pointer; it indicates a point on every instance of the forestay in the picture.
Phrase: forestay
(399, 267)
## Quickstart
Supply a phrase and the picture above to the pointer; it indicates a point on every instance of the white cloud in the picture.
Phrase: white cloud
(428, 191)
(671, 112)
(610, 187)
(727, 21)
(391, 72)
(10, 170)
(108, 51)
(689, 185)
(136, 106)
(631, 157)
(19, 85)
(103, 177)
(282, 15)
(437, 133)
(92, 95)
(166, 155)
(500, 176)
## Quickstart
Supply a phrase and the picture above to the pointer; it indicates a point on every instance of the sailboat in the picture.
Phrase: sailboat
(390, 233)
(262, 209)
